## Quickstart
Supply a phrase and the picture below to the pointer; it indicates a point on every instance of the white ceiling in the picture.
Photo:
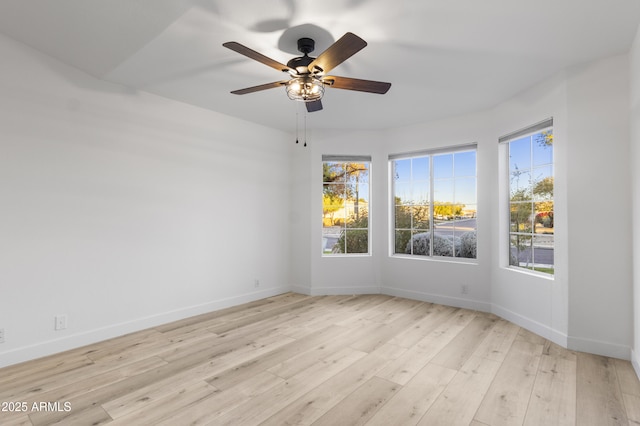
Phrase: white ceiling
(443, 57)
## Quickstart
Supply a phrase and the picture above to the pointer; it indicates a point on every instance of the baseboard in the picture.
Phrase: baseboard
(336, 291)
(301, 289)
(635, 361)
(42, 349)
(438, 298)
(597, 347)
(534, 326)
(39, 350)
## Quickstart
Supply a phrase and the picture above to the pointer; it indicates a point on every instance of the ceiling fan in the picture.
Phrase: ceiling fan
(308, 75)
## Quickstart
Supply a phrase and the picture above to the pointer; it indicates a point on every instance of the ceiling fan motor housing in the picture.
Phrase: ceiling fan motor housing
(301, 64)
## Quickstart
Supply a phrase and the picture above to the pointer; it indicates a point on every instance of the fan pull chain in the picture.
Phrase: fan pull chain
(298, 126)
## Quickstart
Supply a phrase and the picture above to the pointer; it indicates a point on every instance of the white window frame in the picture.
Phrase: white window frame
(351, 159)
(544, 125)
(392, 211)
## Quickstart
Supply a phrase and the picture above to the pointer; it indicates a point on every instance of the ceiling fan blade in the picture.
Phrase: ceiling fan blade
(347, 46)
(259, 88)
(314, 105)
(356, 84)
(256, 56)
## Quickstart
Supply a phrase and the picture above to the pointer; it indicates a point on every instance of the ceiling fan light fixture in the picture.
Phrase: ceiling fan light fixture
(308, 79)
(306, 89)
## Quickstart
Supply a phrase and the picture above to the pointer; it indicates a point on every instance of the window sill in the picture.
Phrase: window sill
(530, 272)
(439, 259)
(346, 255)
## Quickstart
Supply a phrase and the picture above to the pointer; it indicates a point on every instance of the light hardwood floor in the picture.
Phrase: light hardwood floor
(332, 360)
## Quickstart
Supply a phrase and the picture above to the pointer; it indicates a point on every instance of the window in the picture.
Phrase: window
(345, 205)
(531, 225)
(434, 203)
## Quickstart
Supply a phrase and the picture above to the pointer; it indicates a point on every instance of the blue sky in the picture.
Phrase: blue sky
(529, 161)
(454, 178)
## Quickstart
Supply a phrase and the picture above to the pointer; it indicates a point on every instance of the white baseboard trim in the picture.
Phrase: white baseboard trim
(583, 345)
(534, 326)
(598, 347)
(339, 291)
(635, 361)
(50, 347)
(42, 349)
(301, 290)
(437, 298)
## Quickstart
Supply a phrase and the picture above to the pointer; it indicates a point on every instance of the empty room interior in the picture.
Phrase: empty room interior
(293, 212)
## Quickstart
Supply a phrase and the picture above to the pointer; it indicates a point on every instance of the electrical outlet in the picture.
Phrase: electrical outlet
(61, 322)
(256, 283)
(1, 335)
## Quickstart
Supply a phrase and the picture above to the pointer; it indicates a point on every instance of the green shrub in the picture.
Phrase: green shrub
(444, 245)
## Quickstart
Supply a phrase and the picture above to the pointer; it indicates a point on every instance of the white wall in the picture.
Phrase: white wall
(635, 191)
(336, 274)
(530, 300)
(600, 266)
(587, 305)
(534, 302)
(440, 281)
(123, 210)
(424, 280)
(301, 219)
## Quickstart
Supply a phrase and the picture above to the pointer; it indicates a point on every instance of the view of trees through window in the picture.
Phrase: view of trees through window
(345, 207)
(531, 225)
(435, 204)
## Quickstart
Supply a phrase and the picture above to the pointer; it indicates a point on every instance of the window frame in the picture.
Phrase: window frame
(530, 132)
(345, 228)
(430, 153)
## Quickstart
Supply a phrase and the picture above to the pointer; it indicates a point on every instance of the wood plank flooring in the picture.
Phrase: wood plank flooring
(330, 360)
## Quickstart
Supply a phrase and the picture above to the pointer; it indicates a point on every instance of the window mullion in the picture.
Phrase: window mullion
(350, 232)
(528, 208)
(415, 184)
(431, 202)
